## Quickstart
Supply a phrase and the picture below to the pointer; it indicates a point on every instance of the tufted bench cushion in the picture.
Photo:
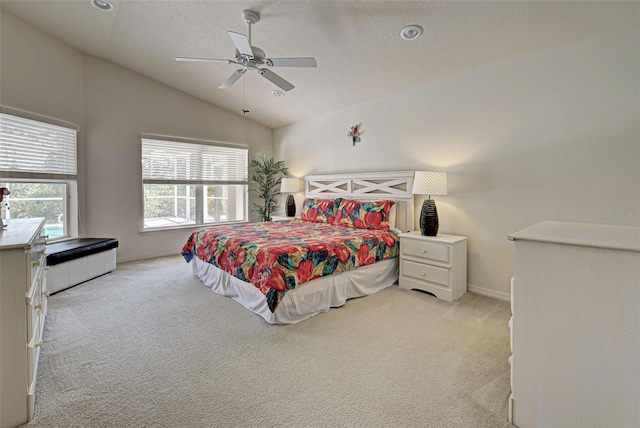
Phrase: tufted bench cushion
(78, 260)
(75, 248)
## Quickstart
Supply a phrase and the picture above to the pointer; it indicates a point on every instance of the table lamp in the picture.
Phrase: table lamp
(290, 185)
(429, 183)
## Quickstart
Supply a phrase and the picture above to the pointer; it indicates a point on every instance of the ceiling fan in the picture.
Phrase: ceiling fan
(253, 58)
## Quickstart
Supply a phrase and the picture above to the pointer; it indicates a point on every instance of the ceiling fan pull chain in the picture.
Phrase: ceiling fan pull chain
(244, 86)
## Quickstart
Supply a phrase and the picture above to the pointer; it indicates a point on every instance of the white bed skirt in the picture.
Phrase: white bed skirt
(307, 299)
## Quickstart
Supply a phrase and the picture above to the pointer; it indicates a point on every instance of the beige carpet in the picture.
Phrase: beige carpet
(149, 345)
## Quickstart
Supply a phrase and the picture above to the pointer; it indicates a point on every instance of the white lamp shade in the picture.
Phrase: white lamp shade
(429, 183)
(290, 185)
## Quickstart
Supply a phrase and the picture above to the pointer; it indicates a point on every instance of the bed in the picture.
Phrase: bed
(288, 271)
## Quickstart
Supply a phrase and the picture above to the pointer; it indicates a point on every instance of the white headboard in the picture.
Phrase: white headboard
(368, 186)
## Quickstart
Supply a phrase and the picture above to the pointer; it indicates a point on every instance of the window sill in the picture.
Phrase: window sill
(190, 227)
(60, 239)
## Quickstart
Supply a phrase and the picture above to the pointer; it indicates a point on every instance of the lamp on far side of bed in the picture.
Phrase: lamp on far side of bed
(290, 185)
(429, 183)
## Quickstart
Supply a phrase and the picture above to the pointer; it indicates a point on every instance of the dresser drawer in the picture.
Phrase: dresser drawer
(33, 349)
(425, 250)
(513, 298)
(34, 308)
(426, 273)
(44, 291)
(37, 261)
(510, 324)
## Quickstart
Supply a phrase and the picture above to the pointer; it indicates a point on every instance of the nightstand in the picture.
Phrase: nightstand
(281, 218)
(436, 264)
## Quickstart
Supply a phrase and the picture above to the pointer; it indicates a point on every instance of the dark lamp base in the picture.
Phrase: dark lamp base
(291, 206)
(429, 218)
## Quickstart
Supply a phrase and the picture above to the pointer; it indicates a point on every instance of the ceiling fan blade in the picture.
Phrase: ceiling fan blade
(242, 43)
(232, 79)
(276, 80)
(189, 59)
(292, 62)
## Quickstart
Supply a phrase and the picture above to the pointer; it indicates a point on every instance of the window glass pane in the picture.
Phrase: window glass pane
(182, 190)
(169, 205)
(225, 203)
(192, 207)
(28, 200)
(216, 204)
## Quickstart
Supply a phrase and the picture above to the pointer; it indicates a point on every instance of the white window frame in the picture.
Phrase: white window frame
(197, 175)
(54, 136)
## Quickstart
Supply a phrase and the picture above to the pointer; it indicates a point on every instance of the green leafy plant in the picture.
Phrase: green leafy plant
(267, 174)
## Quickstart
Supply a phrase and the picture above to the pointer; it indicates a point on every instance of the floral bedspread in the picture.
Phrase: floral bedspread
(279, 256)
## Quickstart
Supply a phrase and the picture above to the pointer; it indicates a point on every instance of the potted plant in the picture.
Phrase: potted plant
(267, 174)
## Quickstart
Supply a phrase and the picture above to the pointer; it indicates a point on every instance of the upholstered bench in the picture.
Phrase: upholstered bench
(79, 260)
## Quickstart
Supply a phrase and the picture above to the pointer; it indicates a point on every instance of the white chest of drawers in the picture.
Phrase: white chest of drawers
(576, 326)
(436, 264)
(23, 307)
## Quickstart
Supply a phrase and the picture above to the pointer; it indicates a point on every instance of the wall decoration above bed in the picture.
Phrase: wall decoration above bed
(354, 134)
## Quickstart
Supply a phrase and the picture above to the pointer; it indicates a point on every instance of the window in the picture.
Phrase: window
(188, 183)
(38, 165)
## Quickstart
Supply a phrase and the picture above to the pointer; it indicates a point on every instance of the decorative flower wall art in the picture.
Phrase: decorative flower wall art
(354, 134)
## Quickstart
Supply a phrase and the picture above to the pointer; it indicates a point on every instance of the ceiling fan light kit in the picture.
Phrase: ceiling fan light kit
(252, 58)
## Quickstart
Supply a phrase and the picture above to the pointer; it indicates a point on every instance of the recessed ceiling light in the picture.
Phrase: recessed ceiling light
(102, 5)
(277, 93)
(411, 32)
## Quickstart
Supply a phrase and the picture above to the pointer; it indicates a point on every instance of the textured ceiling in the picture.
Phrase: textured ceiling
(357, 44)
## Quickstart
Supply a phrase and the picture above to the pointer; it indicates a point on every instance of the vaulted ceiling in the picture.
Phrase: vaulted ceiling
(357, 44)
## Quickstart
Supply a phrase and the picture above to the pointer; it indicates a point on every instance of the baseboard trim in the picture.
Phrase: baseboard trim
(145, 257)
(500, 295)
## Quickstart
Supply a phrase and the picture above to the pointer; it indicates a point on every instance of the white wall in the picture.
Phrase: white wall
(42, 75)
(113, 105)
(551, 136)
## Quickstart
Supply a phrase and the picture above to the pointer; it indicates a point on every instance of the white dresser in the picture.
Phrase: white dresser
(576, 326)
(437, 264)
(23, 307)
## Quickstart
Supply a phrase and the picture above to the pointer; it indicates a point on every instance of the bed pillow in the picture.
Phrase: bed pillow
(364, 215)
(319, 210)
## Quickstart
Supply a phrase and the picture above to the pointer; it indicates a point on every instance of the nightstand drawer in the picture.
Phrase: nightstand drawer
(425, 250)
(426, 273)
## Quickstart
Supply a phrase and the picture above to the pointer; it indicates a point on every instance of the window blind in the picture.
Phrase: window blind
(175, 162)
(29, 148)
